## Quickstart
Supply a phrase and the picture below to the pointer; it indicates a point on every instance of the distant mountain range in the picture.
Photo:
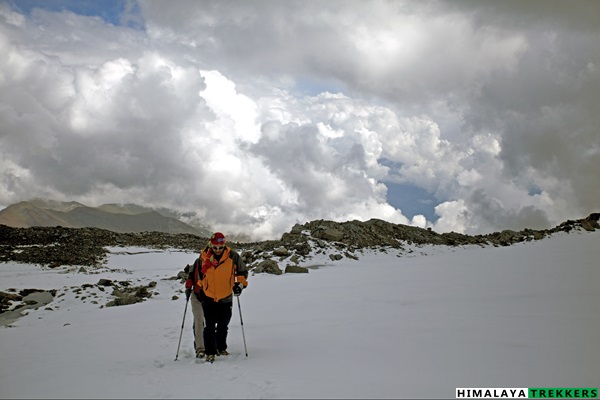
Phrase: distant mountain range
(122, 218)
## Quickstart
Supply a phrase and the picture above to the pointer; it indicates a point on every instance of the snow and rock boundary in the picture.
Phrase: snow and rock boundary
(305, 247)
(56, 246)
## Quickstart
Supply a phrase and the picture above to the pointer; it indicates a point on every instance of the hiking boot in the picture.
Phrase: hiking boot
(210, 358)
(200, 353)
(223, 353)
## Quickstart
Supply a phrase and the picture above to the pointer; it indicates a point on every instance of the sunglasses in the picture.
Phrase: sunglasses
(218, 247)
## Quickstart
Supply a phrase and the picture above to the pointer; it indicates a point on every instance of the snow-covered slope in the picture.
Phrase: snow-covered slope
(384, 326)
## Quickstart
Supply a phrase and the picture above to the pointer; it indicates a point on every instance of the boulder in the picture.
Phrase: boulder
(588, 226)
(281, 251)
(295, 269)
(297, 229)
(269, 267)
(332, 234)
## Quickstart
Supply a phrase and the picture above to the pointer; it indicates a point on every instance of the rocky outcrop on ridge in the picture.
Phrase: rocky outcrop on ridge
(345, 239)
(56, 246)
(88, 247)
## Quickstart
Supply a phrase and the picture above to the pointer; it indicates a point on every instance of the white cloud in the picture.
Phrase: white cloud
(206, 110)
(453, 217)
(221, 96)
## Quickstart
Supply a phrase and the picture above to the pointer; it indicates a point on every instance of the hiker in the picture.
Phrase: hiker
(192, 285)
(223, 275)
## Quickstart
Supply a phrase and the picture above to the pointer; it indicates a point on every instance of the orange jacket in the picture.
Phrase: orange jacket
(217, 281)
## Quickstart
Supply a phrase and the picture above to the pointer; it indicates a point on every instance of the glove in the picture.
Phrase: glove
(188, 293)
(237, 288)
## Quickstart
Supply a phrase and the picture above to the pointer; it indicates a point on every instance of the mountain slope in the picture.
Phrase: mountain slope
(26, 214)
(64, 206)
(131, 209)
(47, 213)
(87, 217)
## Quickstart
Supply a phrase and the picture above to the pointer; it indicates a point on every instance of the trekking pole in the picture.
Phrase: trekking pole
(242, 322)
(182, 324)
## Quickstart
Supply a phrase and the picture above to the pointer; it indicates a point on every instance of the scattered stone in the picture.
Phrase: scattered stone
(127, 294)
(7, 300)
(87, 249)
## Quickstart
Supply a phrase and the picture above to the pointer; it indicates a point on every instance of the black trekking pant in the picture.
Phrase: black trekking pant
(217, 317)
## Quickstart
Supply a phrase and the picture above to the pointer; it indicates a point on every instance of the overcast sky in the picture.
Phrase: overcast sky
(471, 116)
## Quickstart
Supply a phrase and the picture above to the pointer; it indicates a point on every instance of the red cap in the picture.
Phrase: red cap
(217, 239)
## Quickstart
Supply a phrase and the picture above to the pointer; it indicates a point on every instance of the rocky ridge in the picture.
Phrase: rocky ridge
(56, 246)
(88, 248)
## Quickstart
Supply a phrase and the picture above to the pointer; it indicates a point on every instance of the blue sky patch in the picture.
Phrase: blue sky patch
(534, 189)
(312, 87)
(110, 11)
(412, 200)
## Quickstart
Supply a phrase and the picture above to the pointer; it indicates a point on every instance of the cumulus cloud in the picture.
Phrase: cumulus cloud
(259, 115)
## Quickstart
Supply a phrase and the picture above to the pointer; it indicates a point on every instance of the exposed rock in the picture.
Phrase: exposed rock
(87, 248)
(130, 294)
(295, 269)
(123, 301)
(593, 220)
(6, 300)
(281, 251)
(269, 267)
(587, 225)
(26, 300)
(58, 246)
(330, 234)
(297, 229)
